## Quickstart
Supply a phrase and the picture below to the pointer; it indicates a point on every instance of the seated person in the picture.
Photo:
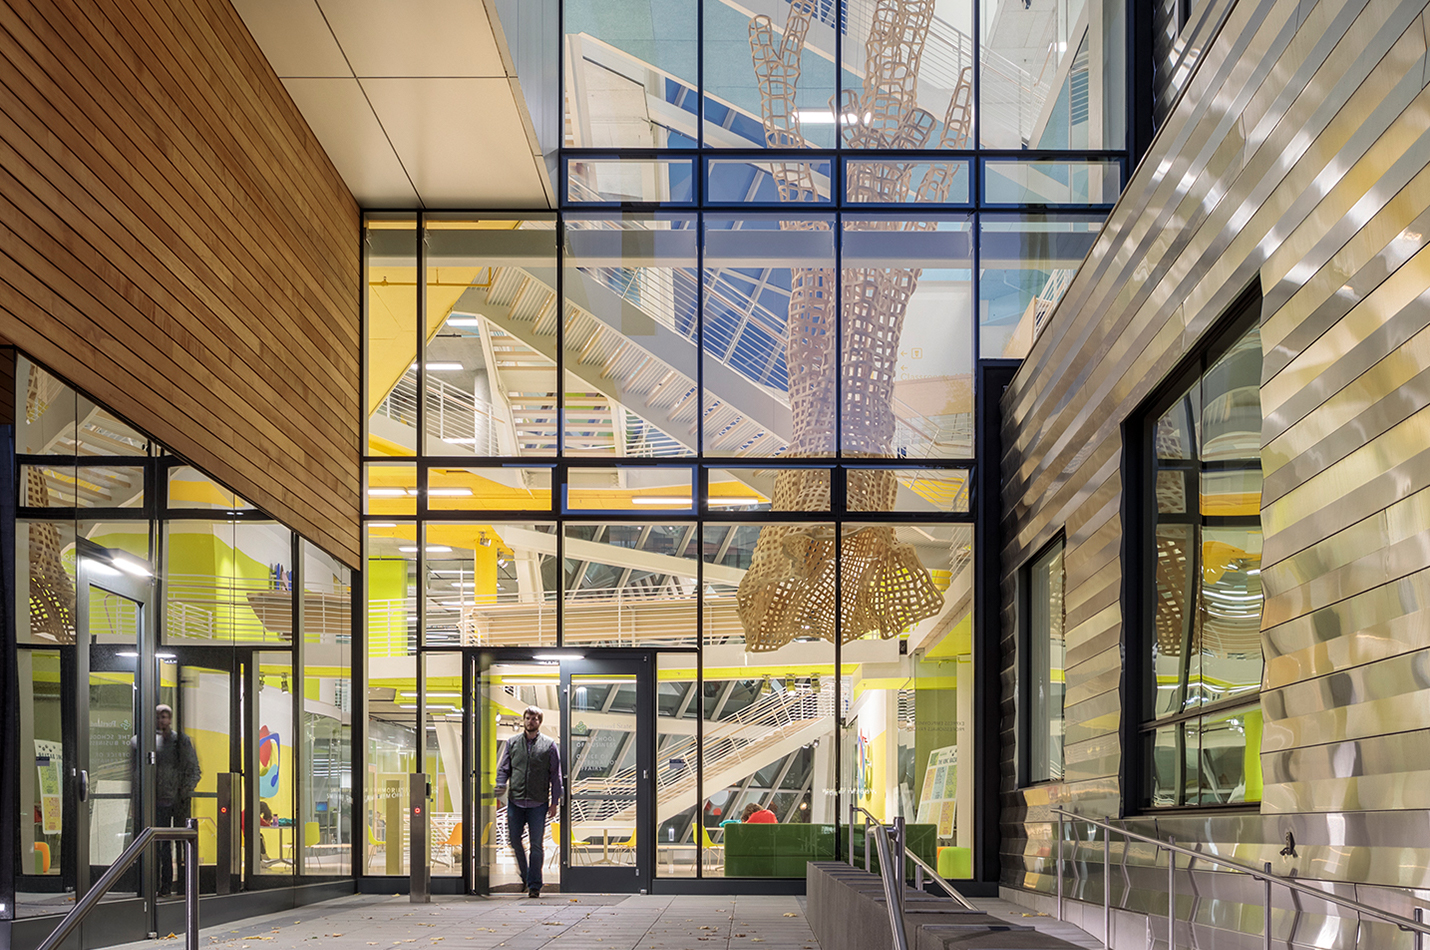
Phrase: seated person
(762, 816)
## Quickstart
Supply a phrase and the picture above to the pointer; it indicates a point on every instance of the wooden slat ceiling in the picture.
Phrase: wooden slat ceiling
(175, 242)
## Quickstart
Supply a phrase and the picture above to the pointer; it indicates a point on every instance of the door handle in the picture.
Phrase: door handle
(83, 785)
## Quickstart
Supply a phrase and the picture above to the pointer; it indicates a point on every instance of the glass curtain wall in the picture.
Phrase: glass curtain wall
(719, 404)
(215, 644)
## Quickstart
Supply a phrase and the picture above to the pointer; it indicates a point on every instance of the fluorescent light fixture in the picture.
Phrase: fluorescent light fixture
(166, 656)
(130, 565)
(406, 705)
(457, 492)
(725, 500)
(386, 492)
(559, 656)
(459, 441)
(384, 524)
(463, 320)
(437, 366)
(126, 653)
(666, 500)
(464, 583)
(431, 549)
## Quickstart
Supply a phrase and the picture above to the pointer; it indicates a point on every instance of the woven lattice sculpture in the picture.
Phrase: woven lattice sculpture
(1182, 569)
(52, 602)
(789, 590)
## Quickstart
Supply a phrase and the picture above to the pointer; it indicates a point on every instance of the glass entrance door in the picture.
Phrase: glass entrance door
(504, 689)
(600, 712)
(108, 744)
(607, 835)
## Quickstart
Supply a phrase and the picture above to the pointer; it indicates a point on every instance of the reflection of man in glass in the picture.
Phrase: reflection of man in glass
(176, 776)
(531, 765)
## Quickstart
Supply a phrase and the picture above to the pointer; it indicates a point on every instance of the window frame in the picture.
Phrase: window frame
(1033, 720)
(1139, 589)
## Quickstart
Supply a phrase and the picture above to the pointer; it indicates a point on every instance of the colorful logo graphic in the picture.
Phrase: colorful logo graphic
(268, 759)
(863, 766)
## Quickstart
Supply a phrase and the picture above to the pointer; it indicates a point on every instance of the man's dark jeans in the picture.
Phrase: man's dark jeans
(519, 818)
(165, 816)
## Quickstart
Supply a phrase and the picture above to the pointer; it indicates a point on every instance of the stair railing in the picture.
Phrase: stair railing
(887, 845)
(1415, 925)
(91, 899)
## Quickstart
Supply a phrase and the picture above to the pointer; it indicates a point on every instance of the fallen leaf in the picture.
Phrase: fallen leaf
(791, 915)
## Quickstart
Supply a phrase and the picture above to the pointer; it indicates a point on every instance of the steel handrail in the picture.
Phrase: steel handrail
(923, 865)
(1414, 925)
(893, 885)
(87, 903)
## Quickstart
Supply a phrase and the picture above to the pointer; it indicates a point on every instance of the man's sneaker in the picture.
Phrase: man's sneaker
(534, 892)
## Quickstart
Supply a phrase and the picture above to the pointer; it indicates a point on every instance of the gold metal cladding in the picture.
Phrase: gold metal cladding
(1299, 157)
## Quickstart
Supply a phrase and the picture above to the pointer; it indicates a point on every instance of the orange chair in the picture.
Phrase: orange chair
(42, 858)
(454, 841)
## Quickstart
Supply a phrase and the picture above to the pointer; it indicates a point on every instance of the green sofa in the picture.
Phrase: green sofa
(923, 841)
(775, 850)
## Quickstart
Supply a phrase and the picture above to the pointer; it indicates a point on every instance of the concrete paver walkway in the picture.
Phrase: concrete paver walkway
(556, 922)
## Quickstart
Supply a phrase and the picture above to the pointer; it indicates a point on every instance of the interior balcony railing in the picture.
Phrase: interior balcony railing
(454, 415)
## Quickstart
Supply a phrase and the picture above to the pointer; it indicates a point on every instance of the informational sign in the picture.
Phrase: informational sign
(938, 800)
(49, 763)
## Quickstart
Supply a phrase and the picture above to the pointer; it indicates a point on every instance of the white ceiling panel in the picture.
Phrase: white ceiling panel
(294, 36)
(462, 141)
(403, 38)
(410, 99)
(339, 115)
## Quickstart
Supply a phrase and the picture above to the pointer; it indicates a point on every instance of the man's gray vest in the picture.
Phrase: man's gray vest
(530, 774)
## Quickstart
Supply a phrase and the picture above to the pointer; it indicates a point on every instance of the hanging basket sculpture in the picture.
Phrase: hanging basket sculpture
(52, 594)
(788, 592)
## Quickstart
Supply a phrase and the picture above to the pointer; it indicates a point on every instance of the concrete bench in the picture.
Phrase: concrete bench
(847, 910)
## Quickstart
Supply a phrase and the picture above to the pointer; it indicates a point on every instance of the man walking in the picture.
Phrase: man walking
(177, 774)
(529, 784)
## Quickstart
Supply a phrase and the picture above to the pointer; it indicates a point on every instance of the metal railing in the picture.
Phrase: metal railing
(893, 880)
(189, 835)
(1415, 925)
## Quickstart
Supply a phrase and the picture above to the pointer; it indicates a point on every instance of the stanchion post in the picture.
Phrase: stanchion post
(1060, 865)
(419, 847)
(1419, 937)
(1106, 889)
(852, 814)
(191, 887)
(898, 858)
(1267, 898)
(1171, 895)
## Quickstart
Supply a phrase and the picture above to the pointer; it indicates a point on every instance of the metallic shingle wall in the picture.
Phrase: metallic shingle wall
(1298, 157)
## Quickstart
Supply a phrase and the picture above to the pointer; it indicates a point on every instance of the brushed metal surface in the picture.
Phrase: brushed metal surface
(1298, 156)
